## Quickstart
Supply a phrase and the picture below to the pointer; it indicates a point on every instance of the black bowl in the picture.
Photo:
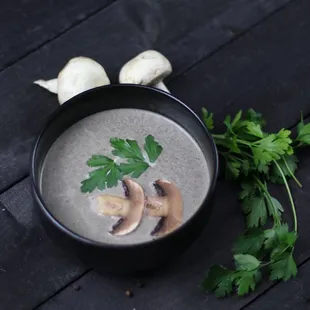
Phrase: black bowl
(134, 257)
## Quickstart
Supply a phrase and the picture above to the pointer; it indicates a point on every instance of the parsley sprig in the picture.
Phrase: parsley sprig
(110, 173)
(255, 158)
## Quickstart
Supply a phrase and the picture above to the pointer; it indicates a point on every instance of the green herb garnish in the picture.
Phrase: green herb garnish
(207, 118)
(126, 149)
(105, 177)
(254, 158)
(152, 148)
(99, 160)
(134, 168)
(109, 173)
(303, 133)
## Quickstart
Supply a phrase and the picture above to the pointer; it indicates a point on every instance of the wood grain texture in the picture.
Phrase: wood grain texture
(200, 28)
(291, 295)
(27, 24)
(112, 37)
(237, 72)
(266, 69)
(176, 287)
(31, 267)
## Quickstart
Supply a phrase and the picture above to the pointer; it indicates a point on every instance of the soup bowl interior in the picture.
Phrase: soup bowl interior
(111, 256)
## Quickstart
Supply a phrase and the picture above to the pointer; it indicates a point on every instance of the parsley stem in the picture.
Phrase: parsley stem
(217, 136)
(244, 142)
(289, 195)
(265, 264)
(279, 254)
(268, 197)
(290, 172)
(223, 137)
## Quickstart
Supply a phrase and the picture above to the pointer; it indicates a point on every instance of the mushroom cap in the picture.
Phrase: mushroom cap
(174, 201)
(78, 75)
(136, 198)
(147, 68)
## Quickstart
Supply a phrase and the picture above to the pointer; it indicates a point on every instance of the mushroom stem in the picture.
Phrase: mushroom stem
(50, 85)
(113, 205)
(157, 206)
(161, 86)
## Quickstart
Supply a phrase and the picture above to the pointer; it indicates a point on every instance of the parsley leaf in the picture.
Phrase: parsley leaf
(109, 173)
(247, 274)
(134, 168)
(255, 117)
(248, 189)
(272, 236)
(284, 268)
(246, 167)
(232, 169)
(254, 157)
(279, 236)
(303, 133)
(288, 165)
(227, 122)
(231, 143)
(246, 281)
(236, 119)
(255, 210)
(126, 148)
(271, 147)
(102, 178)
(254, 129)
(244, 129)
(246, 262)
(99, 160)
(219, 280)
(274, 206)
(152, 148)
(251, 242)
(207, 119)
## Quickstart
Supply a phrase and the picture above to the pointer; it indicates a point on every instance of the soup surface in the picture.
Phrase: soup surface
(181, 162)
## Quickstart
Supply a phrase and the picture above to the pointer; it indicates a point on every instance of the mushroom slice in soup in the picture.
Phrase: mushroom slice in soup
(130, 209)
(168, 205)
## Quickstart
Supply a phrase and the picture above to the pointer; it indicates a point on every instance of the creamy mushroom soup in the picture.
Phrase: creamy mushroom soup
(181, 162)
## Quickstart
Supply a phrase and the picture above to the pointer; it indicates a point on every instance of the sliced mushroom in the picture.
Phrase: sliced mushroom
(130, 209)
(168, 205)
(147, 68)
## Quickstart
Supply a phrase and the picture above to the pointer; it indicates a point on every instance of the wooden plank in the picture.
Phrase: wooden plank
(291, 295)
(36, 269)
(31, 267)
(265, 69)
(176, 287)
(208, 26)
(188, 266)
(112, 37)
(37, 275)
(29, 24)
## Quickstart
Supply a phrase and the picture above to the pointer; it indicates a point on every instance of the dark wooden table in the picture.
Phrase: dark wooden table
(226, 55)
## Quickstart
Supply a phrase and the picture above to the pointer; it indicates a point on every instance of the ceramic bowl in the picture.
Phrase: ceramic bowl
(123, 258)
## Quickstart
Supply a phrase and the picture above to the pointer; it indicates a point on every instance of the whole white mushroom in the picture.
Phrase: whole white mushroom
(78, 75)
(147, 68)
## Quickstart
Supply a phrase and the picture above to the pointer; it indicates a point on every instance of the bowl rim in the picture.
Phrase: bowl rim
(40, 201)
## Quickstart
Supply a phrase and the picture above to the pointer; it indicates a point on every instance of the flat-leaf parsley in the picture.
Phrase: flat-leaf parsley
(254, 157)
